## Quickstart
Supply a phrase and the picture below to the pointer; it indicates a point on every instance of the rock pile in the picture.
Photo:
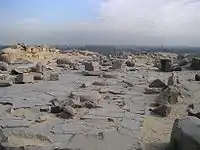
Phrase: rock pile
(24, 52)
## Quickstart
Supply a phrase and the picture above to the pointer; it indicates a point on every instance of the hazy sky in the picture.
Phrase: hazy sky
(133, 22)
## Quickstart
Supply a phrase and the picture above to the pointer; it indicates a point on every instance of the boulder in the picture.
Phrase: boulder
(69, 112)
(38, 76)
(24, 78)
(193, 113)
(54, 77)
(96, 83)
(185, 134)
(3, 66)
(157, 84)
(91, 66)
(163, 110)
(183, 62)
(195, 63)
(116, 64)
(197, 77)
(63, 61)
(168, 96)
(6, 83)
(130, 63)
(166, 65)
(74, 66)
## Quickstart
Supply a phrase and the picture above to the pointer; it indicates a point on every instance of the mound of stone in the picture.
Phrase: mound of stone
(185, 134)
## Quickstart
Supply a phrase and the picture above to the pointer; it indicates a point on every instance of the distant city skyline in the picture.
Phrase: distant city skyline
(112, 22)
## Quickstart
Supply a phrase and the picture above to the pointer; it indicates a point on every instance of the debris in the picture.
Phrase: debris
(91, 73)
(38, 76)
(172, 80)
(116, 64)
(91, 66)
(70, 111)
(63, 61)
(114, 75)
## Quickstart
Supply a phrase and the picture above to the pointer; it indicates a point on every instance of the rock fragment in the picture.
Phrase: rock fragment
(116, 64)
(197, 77)
(63, 61)
(130, 63)
(172, 80)
(152, 91)
(114, 75)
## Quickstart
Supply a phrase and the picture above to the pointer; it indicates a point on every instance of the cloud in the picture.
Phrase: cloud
(143, 22)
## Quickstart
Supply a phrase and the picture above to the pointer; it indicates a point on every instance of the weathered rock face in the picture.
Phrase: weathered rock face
(157, 84)
(185, 134)
(24, 52)
(166, 65)
(195, 63)
(91, 66)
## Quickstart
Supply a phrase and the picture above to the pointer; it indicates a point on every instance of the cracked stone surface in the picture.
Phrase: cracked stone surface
(113, 126)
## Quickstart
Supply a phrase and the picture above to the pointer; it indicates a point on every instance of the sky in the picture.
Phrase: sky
(118, 22)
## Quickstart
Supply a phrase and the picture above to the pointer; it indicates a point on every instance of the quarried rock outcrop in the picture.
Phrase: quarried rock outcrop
(185, 134)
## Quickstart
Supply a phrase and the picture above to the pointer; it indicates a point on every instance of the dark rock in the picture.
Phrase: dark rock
(185, 134)
(3, 66)
(74, 66)
(197, 77)
(90, 105)
(96, 83)
(162, 110)
(116, 64)
(183, 62)
(54, 77)
(45, 109)
(193, 113)
(56, 109)
(6, 83)
(69, 112)
(191, 106)
(195, 63)
(24, 78)
(16, 71)
(166, 65)
(40, 68)
(157, 84)
(130, 63)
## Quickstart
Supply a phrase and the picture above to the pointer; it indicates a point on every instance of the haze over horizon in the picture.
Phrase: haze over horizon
(117, 22)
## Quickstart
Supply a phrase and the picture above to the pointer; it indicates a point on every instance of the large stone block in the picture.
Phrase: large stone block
(24, 78)
(166, 65)
(185, 134)
(91, 66)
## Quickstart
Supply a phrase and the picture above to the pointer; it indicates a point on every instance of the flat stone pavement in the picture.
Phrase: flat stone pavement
(115, 126)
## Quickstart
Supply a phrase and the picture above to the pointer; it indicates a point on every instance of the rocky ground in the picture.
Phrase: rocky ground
(74, 104)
